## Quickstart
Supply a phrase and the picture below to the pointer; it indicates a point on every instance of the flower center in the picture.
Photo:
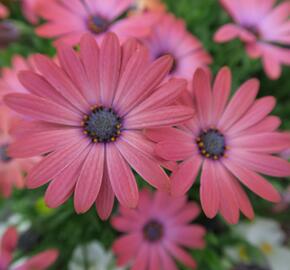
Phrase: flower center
(3, 153)
(211, 144)
(254, 30)
(102, 124)
(97, 24)
(153, 231)
(174, 65)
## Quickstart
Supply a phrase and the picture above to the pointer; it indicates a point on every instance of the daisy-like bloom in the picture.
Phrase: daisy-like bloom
(4, 12)
(8, 246)
(91, 16)
(157, 232)
(231, 141)
(89, 115)
(263, 28)
(11, 170)
(170, 37)
(30, 9)
(148, 5)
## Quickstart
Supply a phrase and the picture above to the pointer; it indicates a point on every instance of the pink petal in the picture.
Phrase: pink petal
(189, 212)
(142, 259)
(105, 199)
(253, 181)
(121, 177)
(41, 109)
(164, 116)
(154, 261)
(272, 66)
(166, 260)
(128, 49)
(209, 189)
(90, 179)
(167, 134)
(9, 240)
(55, 162)
(184, 177)
(239, 104)
(144, 165)
(202, 91)
(221, 92)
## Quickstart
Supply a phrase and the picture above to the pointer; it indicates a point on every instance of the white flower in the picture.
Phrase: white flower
(92, 256)
(268, 237)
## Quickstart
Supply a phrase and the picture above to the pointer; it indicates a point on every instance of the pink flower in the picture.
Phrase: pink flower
(11, 170)
(95, 17)
(89, 115)
(4, 12)
(229, 141)
(170, 37)
(264, 29)
(30, 9)
(8, 245)
(156, 232)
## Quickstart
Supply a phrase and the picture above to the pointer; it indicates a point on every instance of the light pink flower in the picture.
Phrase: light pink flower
(263, 28)
(30, 9)
(170, 37)
(4, 12)
(89, 116)
(11, 170)
(8, 246)
(231, 141)
(157, 231)
(95, 17)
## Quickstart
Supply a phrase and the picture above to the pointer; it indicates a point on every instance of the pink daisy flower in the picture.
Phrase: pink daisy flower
(89, 115)
(263, 28)
(8, 246)
(91, 16)
(4, 12)
(230, 141)
(157, 231)
(11, 170)
(170, 37)
(30, 9)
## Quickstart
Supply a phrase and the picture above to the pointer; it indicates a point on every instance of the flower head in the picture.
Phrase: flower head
(231, 141)
(8, 246)
(170, 37)
(30, 9)
(263, 28)
(156, 231)
(4, 12)
(95, 17)
(88, 116)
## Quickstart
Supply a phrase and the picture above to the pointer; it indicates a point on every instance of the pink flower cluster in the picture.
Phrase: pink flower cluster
(137, 95)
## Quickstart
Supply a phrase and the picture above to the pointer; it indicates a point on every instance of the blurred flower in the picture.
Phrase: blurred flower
(8, 245)
(4, 12)
(89, 115)
(11, 169)
(148, 5)
(30, 9)
(92, 256)
(156, 231)
(229, 140)
(9, 33)
(170, 37)
(268, 237)
(264, 29)
(95, 17)
(285, 202)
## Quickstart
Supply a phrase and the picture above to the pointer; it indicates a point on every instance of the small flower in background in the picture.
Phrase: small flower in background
(157, 231)
(8, 245)
(263, 28)
(89, 115)
(92, 256)
(4, 12)
(9, 33)
(11, 170)
(230, 140)
(30, 9)
(170, 37)
(148, 5)
(268, 237)
(95, 17)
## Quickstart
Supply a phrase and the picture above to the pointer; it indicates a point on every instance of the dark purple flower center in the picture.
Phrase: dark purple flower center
(254, 30)
(97, 24)
(3, 153)
(174, 65)
(211, 144)
(249, 267)
(102, 124)
(153, 231)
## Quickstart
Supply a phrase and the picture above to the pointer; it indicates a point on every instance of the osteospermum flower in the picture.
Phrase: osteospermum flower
(170, 37)
(8, 246)
(231, 142)
(89, 115)
(157, 231)
(263, 28)
(11, 169)
(91, 16)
